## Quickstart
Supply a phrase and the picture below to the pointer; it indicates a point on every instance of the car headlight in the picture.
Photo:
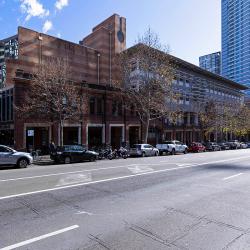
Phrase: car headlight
(59, 153)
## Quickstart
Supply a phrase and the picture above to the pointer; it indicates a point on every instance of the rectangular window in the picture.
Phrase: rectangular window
(100, 106)
(114, 108)
(92, 105)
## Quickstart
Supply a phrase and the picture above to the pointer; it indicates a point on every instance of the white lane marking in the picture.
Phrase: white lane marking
(26, 242)
(88, 183)
(121, 166)
(64, 173)
(187, 164)
(232, 176)
(82, 212)
(74, 178)
(112, 179)
(140, 169)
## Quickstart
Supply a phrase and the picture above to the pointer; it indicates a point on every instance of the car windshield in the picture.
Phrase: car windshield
(137, 146)
(168, 142)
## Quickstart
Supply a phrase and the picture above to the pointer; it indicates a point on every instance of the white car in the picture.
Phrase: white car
(143, 150)
(172, 147)
(9, 156)
(243, 145)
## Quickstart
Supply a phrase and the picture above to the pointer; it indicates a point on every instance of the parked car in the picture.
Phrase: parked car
(224, 145)
(248, 144)
(72, 153)
(196, 147)
(212, 146)
(143, 150)
(243, 145)
(234, 144)
(9, 156)
(172, 147)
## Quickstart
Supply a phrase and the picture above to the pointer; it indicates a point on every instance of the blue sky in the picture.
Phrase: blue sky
(190, 27)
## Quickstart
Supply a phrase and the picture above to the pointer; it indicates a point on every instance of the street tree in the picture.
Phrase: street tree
(52, 94)
(146, 80)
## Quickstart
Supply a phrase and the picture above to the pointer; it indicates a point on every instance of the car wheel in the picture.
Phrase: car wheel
(173, 152)
(143, 154)
(22, 163)
(185, 151)
(156, 153)
(92, 158)
(110, 157)
(67, 160)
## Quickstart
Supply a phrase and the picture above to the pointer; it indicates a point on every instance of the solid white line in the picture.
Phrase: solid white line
(232, 176)
(116, 178)
(113, 179)
(121, 166)
(26, 242)
(63, 173)
(89, 183)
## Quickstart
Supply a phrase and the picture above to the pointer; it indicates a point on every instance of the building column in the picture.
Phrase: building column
(188, 119)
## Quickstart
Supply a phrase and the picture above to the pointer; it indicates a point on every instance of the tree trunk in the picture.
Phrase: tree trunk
(146, 130)
(61, 133)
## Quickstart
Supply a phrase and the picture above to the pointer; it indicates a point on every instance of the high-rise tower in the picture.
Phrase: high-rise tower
(236, 40)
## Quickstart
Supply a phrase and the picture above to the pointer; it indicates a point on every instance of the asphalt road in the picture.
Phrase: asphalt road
(193, 201)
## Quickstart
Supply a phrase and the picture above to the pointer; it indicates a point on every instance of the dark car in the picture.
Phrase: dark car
(224, 145)
(196, 147)
(72, 153)
(212, 146)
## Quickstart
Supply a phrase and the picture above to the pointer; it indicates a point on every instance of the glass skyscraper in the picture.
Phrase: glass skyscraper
(236, 40)
(211, 62)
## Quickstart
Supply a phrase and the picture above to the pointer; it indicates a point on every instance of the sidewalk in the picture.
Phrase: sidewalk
(43, 160)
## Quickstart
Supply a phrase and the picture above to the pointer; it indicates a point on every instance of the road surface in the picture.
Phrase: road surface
(193, 201)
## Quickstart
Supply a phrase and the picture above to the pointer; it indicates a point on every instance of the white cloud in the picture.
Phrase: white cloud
(33, 9)
(47, 26)
(59, 35)
(61, 4)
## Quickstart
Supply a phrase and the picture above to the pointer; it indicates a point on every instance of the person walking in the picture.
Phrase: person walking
(52, 147)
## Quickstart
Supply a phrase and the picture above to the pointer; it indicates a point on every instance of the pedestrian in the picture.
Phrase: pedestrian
(52, 147)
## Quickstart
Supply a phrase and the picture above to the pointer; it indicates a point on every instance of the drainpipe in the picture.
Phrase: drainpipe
(110, 57)
(98, 68)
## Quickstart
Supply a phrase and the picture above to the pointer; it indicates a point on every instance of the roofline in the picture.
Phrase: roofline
(8, 38)
(218, 52)
(197, 69)
(208, 73)
(21, 27)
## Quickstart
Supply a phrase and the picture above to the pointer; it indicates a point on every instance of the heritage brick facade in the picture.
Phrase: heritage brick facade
(106, 121)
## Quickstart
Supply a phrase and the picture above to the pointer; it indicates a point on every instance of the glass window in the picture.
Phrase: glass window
(99, 106)
(92, 106)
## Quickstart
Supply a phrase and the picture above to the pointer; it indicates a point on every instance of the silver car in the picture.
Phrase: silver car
(143, 150)
(9, 156)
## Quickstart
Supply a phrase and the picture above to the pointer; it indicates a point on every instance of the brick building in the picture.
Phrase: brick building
(106, 120)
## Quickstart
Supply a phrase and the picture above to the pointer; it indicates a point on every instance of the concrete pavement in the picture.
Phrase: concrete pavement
(194, 201)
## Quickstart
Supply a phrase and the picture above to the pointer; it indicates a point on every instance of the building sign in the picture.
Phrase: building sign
(31, 132)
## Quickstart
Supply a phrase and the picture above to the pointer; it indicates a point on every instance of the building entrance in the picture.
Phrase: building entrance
(94, 137)
(116, 137)
(37, 139)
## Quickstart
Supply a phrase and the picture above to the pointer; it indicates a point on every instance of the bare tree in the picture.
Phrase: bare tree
(51, 94)
(146, 80)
